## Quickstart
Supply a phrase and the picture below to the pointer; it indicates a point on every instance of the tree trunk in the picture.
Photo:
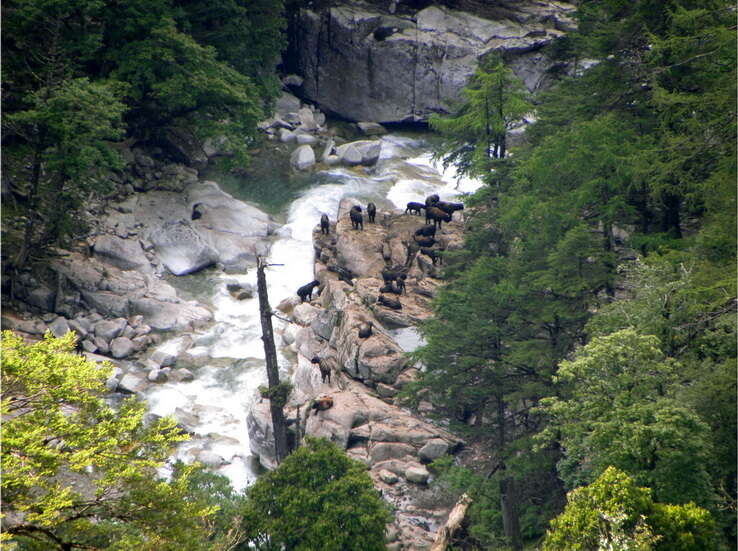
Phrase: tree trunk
(671, 222)
(279, 425)
(508, 501)
(455, 519)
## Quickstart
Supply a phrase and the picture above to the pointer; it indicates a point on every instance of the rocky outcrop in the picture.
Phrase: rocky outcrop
(395, 444)
(366, 64)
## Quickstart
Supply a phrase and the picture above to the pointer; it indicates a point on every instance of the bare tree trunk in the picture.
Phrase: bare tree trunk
(279, 425)
(455, 518)
(508, 499)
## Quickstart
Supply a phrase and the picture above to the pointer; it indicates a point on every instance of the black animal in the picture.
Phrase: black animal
(197, 210)
(433, 253)
(325, 225)
(431, 200)
(371, 211)
(390, 288)
(390, 302)
(357, 219)
(344, 274)
(401, 283)
(449, 208)
(428, 230)
(306, 291)
(325, 369)
(321, 404)
(424, 241)
(365, 331)
(437, 216)
(390, 276)
(414, 208)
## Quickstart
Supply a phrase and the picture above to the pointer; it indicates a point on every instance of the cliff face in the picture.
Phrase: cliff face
(365, 63)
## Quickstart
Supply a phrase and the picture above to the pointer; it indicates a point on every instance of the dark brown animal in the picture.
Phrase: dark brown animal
(322, 403)
(357, 219)
(424, 241)
(395, 304)
(344, 274)
(325, 369)
(437, 216)
(414, 208)
(365, 331)
(401, 283)
(306, 291)
(390, 276)
(390, 288)
(431, 200)
(197, 210)
(371, 211)
(433, 254)
(428, 230)
(449, 208)
(325, 225)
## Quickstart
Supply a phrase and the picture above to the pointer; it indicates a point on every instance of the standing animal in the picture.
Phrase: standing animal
(401, 283)
(414, 208)
(306, 291)
(395, 304)
(424, 241)
(365, 331)
(357, 219)
(429, 230)
(390, 276)
(437, 216)
(325, 369)
(325, 225)
(371, 211)
(449, 208)
(431, 200)
(433, 254)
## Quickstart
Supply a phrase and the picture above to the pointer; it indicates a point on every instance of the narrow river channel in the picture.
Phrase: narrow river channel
(215, 404)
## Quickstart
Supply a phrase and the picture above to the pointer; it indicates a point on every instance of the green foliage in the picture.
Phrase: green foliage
(317, 498)
(621, 411)
(278, 394)
(614, 513)
(77, 473)
(495, 101)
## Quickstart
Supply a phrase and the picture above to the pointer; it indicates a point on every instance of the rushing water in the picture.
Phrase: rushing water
(215, 405)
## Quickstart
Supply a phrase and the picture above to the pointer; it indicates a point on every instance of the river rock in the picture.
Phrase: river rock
(286, 103)
(304, 314)
(303, 157)
(122, 347)
(181, 249)
(371, 128)
(287, 136)
(157, 376)
(304, 138)
(417, 475)
(110, 329)
(59, 327)
(126, 254)
(132, 383)
(433, 449)
(349, 154)
(365, 64)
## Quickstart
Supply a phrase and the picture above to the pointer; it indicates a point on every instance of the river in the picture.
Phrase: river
(215, 404)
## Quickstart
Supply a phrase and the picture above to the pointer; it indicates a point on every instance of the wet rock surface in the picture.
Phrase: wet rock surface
(366, 419)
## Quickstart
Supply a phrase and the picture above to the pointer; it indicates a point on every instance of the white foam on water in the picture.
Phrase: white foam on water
(216, 403)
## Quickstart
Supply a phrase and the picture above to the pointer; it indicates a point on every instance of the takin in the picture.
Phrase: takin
(424, 241)
(306, 291)
(325, 369)
(371, 211)
(365, 330)
(449, 208)
(395, 304)
(357, 219)
(391, 288)
(322, 403)
(414, 208)
(428, 230)
(325, 225)
(433, 254)
(437, 216)
(431, 200)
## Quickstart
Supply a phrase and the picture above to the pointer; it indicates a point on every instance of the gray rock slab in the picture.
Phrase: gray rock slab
(417, 475)
(122, 347)
(125, 254)
(303, 157)
(59, 327)
(433, 449)
(181, 249)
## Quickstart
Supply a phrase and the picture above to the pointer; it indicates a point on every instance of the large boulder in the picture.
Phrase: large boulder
(126, 254)
(303, 157)
(364, 64)
(181, 249)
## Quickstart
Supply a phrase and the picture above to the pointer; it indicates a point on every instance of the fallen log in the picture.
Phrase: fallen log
(455, 518)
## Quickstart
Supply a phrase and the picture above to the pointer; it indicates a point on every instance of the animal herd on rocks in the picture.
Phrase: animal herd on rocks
(436, 212)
